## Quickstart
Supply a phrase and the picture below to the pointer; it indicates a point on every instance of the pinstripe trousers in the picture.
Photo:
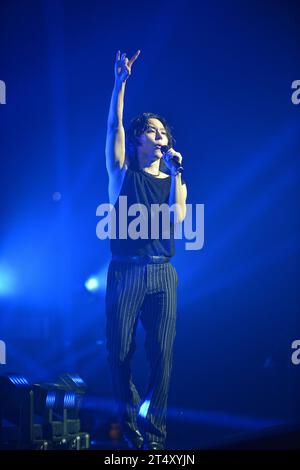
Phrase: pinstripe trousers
(146, 292)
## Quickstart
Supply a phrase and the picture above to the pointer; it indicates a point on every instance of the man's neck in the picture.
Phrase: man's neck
(152, 167)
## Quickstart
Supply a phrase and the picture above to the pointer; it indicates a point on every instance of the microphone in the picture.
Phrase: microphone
(175, 163)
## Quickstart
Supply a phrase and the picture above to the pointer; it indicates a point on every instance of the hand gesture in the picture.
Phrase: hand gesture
(123, 66)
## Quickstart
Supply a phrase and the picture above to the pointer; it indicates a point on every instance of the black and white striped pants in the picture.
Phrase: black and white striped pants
(146, 292)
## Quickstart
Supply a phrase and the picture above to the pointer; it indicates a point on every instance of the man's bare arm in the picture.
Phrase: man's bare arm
(178, 192)
(115, 137)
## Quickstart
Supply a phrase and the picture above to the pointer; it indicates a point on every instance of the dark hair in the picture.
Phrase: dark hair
(137, 127)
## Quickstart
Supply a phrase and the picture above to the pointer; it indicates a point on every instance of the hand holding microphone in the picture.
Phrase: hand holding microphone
(172, 159)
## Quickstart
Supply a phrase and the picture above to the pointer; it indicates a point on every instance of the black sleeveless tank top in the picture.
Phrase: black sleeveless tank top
(143, 188)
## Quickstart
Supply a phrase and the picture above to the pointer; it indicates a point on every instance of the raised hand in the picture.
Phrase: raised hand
(123, 65)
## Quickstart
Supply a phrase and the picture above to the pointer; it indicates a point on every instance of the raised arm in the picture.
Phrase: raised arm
(115, 137)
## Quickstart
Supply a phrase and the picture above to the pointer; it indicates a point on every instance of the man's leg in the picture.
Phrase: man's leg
(159, 320)
(124, 297)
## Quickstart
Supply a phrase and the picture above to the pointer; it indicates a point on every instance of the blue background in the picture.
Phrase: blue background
(221, 74)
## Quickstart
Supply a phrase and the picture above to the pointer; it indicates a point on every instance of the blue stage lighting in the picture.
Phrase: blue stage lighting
(7, 282)
(70, 400)
(50, 399)
(16, 412)
(92, 284)
(144, 408)
(97, 282)
(18, 380)
(73, 381)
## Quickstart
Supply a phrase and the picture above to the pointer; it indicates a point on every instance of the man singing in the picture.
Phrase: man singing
(141, 280)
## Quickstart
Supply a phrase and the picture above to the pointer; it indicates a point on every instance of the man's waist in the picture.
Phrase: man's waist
(141, 259)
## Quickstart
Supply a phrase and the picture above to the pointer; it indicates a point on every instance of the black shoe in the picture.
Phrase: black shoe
(134, 440)
(153, 446)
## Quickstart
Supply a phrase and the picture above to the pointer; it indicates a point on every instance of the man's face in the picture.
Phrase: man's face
(152, 139)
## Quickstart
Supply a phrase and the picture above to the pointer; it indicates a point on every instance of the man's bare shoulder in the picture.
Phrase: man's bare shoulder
(163, 175)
